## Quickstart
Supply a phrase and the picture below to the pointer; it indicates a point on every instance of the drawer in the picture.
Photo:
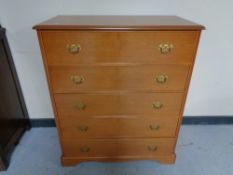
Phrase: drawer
(72, 79)
(156, 104)
(118, 147)
(84, 47)
(118, 127)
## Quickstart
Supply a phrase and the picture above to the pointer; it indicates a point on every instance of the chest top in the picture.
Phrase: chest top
(118, 23)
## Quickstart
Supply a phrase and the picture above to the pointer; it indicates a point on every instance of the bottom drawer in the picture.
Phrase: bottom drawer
(118, 147)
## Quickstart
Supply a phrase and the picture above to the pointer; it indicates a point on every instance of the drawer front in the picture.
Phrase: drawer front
(70, 79)
(105, 127)
(156, 104)
(82, 47)
(120, 147)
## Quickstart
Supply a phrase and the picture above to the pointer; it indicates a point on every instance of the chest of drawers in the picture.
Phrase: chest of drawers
(118, 84)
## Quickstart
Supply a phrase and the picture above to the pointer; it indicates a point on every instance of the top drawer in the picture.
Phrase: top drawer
(83, 47)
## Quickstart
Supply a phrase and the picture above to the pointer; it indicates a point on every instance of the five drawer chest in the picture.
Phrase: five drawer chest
(118, 84)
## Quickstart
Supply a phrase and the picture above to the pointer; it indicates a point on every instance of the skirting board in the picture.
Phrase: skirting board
(187, 120)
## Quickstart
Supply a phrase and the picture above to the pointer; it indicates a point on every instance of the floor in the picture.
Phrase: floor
(201, 150)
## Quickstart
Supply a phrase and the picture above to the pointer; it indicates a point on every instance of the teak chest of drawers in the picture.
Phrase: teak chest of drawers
(118, 84)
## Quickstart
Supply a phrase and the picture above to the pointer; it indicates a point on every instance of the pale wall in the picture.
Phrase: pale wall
(211, 90)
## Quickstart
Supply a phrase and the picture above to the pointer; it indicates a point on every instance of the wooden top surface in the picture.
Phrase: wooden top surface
(118, 23)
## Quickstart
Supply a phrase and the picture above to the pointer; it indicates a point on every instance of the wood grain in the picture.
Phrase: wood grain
(118, 78)
(119, 47)
(42, 48)
(119, 22)
(118, 104)
(121, 147)
(118, 127)
(119, 58)
(186, 91)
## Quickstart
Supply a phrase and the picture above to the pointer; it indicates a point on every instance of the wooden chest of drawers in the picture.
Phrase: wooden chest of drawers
(118, 84)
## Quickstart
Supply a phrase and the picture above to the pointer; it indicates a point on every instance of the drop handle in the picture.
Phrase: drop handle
(161, 79)
(83, 128)
(80, 106)
(77, 79)
(73, 48)
(157, 105)
(152, 148)
(154, 127)
(85, 149)
(165, 48)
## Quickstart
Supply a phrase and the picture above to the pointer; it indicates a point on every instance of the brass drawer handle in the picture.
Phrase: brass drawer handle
(77, 79)
(161, 78)
(73, 48)
(85, 149)
(80, 106)
(165, 48)
(157, 105)
(152, 148)
(83, 128)
(154, 127)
